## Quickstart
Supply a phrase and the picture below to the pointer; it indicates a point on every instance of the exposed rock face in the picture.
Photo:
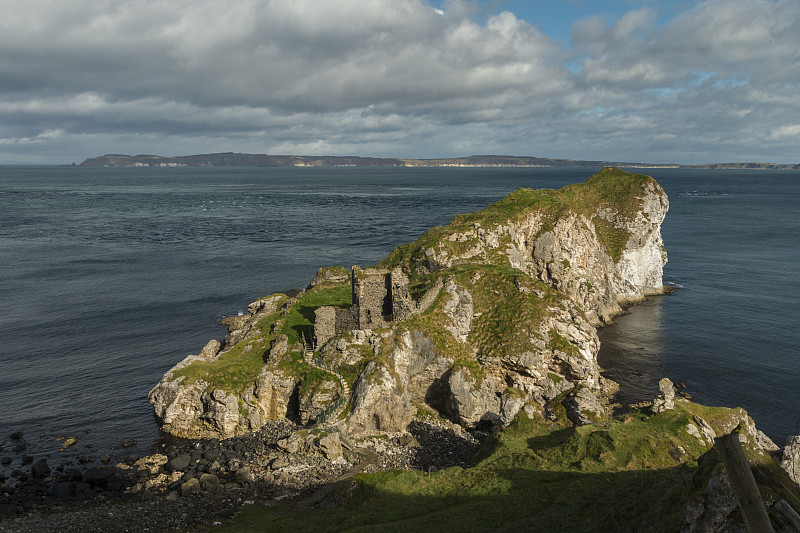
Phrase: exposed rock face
(194, 409)
(379, 405)
(273, 392)
(314, 402)
(572, 252)
(791, 458)
(583, 407)
(715, 510)
(459, 309)
(478, 320)
(422, 371)
(470, 403)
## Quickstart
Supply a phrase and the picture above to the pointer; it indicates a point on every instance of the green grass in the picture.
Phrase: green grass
(235, 370)
(621, 475)
(311, 378)
(559, 343)
(509, 317)
(612, 238)
(301, 316)
(611, 188)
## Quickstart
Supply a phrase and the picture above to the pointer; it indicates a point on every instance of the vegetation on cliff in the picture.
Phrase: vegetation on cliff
(511, 293)
(611, 190)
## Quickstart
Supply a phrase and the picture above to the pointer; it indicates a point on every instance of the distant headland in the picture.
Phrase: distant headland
(231, 159)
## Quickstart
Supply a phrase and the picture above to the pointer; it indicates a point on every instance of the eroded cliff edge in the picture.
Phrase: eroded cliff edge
(477, 320)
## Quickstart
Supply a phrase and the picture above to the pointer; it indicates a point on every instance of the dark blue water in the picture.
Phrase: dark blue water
(731, 332)
(110, 276)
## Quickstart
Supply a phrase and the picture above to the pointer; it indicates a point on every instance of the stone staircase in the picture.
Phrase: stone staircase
(333, 411)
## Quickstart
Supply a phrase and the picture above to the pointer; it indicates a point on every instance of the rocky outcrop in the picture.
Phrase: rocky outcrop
(379, 403)
(192, 407)
(458, 309)
(273, 392)
(602, 253)
(420, 367)
(583, 407)
(469, 402)
(666, 399)
(490, 315)
(714, 510)
(791, 458)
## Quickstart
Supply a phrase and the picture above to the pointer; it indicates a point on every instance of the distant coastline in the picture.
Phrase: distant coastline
(231, 159)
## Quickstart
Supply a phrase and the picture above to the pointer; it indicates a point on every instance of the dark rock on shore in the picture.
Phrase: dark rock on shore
(40, 468)
(215, 478)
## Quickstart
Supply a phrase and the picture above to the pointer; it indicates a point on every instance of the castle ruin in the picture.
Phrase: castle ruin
(380, 296)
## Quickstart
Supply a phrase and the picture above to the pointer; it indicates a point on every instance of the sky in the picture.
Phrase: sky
(677, 81)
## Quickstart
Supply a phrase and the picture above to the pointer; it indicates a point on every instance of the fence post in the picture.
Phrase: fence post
(743, 484)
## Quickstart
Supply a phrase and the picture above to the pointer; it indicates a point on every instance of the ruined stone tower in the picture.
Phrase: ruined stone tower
(380, 296)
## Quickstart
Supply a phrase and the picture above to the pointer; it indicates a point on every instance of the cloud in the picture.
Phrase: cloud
(393, 79)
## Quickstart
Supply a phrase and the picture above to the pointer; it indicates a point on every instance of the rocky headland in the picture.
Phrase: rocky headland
(477, 320)
(479, 334)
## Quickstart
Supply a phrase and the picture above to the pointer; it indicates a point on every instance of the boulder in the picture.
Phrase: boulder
(331, 446)
(40, 468)
(179, 463)
(62, 490)
(208, 480)
(293, 443)
(583, 407)
(471, 403)
(99, 475)
(279, 462)
(244, 475)
(714, 509)
(151, 464)
(190, 487)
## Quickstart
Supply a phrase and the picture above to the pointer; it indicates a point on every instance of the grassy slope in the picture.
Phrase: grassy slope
(235, 370)
(635, 473)
(610, 188)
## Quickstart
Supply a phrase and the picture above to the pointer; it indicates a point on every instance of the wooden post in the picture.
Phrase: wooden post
(743, 484)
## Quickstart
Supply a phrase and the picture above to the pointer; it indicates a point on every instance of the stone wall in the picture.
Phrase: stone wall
(324, 324)
(346, 319)
(403, 306)
(372, 297)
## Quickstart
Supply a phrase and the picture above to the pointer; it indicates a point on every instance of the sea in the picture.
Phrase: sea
(110, 276)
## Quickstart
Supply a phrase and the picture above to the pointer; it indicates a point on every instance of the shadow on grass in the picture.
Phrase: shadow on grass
(515, 499)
